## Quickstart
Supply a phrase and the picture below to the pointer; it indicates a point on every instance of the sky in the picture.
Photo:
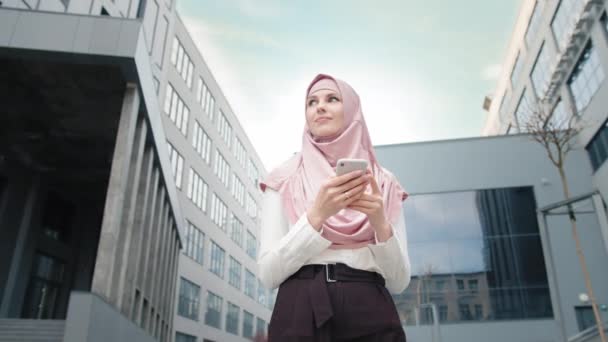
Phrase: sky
(421, 69)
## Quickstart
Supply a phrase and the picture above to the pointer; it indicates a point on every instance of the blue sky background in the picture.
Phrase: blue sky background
(422, 69)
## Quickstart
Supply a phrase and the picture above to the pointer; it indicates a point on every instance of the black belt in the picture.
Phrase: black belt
(330, 273)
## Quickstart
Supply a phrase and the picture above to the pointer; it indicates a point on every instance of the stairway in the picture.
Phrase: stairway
(34, 330)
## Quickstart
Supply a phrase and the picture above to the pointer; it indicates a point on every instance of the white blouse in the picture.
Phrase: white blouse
(284, 249)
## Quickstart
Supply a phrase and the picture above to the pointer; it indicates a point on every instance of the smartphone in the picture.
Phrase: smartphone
(346, 165)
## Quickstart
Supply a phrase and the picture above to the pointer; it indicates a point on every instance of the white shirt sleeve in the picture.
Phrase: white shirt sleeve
(283, 250)
(393, 258)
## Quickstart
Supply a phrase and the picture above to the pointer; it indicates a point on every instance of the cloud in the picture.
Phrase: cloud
(221, 33)
(269, 103)
(491, 72)
(258, 8)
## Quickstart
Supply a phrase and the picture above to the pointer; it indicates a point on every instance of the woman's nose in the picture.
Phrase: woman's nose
(320, 107)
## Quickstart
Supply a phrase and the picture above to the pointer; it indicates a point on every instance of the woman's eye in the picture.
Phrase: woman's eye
(333, 98)
(311, 102)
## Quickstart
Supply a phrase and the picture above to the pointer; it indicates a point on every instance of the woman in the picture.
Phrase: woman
(334, 245)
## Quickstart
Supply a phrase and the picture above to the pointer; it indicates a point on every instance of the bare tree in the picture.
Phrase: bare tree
(557, 132)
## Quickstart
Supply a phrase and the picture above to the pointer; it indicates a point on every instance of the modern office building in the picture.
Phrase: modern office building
(128, 189)
(484, 261)
(217, 172)
(558, 56)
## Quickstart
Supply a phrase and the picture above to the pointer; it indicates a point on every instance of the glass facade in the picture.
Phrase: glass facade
(541, 75)
(524, 112)
(565, 19)
(189, 294)
(180, 337)
(232, 319)
(218, 254)
(251, 245)
(247, 324)
(235, 273)
(477, 255)
(195, 242)
(586, 78)
(532, 30)
(598, 147)
(560, 117)
(213, 316)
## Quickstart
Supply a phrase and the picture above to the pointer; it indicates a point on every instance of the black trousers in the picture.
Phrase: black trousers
(357, 307)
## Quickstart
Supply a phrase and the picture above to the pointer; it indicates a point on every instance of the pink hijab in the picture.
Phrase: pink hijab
(299, 178)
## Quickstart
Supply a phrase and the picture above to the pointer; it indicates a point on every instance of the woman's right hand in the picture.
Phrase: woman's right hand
(335, 194)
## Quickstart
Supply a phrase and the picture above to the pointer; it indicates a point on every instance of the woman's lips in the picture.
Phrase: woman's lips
(321, 120)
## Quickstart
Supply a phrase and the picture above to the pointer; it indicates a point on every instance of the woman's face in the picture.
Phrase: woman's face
(324, 113)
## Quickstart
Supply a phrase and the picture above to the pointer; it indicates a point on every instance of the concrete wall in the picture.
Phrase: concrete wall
(90, 319)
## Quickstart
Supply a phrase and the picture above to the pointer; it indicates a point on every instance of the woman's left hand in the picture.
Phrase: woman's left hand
(373, 206)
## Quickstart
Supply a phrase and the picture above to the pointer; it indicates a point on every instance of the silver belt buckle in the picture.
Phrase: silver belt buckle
(327, 273)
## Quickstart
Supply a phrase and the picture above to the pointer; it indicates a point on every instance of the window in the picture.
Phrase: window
(249, 283)
(501, 249)
(205, 99)
(465, 312)
(197, 190)
(234, 278)
(252, 172)
(201, 142)
(247, 324)
(560, 118)
(238, 189)
(565, 19)
(533, 23)
(503, 102)
(236, 230)
(47, 278)
(473, 285)
(597, 149)
(516, 69)
(272, 296)
(221, 168)
(161, 35)
(261, 293)
(541, 75)
(195, 240)
(586, 77)
(180, 337)
(584, 317)
(188, 299)
(439, 285)
(523, 111)
(240, 152)
(177, 111)
(225, 129)
(182, 62)
(217, 260)
(177, 165)
(478, 312)
(251, 207)
(251, 244)
(213, 316)
(260, 327)
(144, 314)
(443, 313)
(232, 319)
(219, 212)
(156, 84)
